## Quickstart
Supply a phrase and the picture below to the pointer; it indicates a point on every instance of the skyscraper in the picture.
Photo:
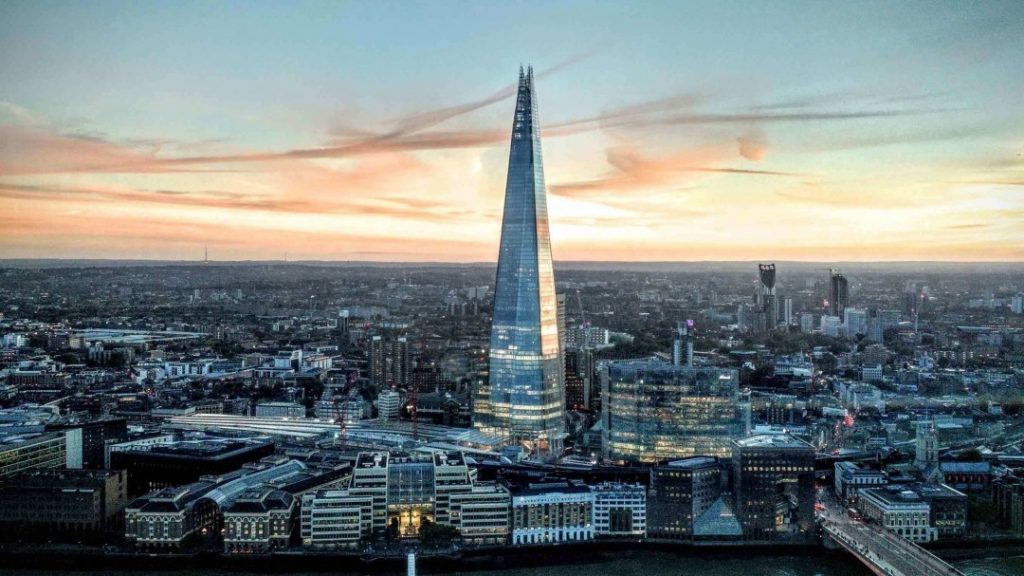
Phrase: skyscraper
(767, 314)
(839, 293)
(527, 402)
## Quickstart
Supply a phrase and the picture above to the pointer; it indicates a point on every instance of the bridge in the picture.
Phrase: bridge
(882, 551)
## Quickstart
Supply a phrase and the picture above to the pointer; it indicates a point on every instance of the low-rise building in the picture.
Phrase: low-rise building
(482, 515)
(851, 477)
(62, 503)
(620, 509)
(900, 510)
(260, 520)
(280, 410)
(552, 511)
(20, 453)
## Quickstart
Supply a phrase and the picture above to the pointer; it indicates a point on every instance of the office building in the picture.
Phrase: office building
(62, 504)
(680, 492)
(526, 394)
(552, 511)
(773, 478)
(397, 494)
(176, 463)
(787, 311)
(50, 450)
(653, 411)
(483, 515)
(97, 435)
(620, 509)
(579, 378)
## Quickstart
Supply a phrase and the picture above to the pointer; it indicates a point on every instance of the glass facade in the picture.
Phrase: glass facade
(525, 398)
(654, 411)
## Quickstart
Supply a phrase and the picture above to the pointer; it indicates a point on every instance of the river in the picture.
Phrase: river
(646, 564)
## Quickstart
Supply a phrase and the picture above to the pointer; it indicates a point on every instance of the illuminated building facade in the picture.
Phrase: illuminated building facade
(654, 411)
(525, 397)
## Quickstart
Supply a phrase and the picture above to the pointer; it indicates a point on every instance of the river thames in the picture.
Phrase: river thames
(643, 564)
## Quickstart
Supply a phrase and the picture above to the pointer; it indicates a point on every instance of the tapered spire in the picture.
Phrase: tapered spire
(525, 401)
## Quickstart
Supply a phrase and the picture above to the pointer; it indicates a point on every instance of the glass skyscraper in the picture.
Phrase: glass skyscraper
(653, 411)
(525, 400)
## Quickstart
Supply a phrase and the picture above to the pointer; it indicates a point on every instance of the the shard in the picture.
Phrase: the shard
(524, 401)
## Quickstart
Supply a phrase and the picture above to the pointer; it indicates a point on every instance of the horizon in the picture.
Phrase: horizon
(801, 131)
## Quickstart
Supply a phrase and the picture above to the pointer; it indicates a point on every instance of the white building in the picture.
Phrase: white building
(551, 512)
(851, 477)
(832, 326)
(1017, 303)
(620, 509)
(388, 404)
(856, 321)
(901, 511)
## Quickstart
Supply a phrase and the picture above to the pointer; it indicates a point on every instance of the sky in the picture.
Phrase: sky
(816, 131)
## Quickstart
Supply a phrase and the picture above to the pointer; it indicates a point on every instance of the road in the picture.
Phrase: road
(881, 550)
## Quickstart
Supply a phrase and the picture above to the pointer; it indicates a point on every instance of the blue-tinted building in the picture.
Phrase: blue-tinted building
(524, 399)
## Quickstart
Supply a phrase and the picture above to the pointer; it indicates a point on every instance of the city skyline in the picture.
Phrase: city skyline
(796, 133)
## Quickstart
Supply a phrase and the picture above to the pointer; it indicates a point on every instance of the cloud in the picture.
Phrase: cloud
(634, 171)
(753, 145)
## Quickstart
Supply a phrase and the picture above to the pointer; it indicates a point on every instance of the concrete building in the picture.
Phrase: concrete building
(620, 509)
(773, 478)
(552, 511)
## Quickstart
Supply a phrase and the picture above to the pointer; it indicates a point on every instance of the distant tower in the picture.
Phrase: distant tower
(206, 254)
(767, 313)
(839, 293)
(927, 444)
(526, 396)
(684, 340)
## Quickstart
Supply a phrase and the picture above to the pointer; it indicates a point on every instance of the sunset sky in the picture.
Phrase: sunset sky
(824, 131)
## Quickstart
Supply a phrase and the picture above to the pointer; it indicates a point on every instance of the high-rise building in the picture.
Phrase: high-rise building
(787, 311)
(579, 378)
(767, 313)
(774, 486)
(527, 404)
(390, 362)
(856, 322)
(681, 491)
(1017, 303)
(839, 293)
(652, 411)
